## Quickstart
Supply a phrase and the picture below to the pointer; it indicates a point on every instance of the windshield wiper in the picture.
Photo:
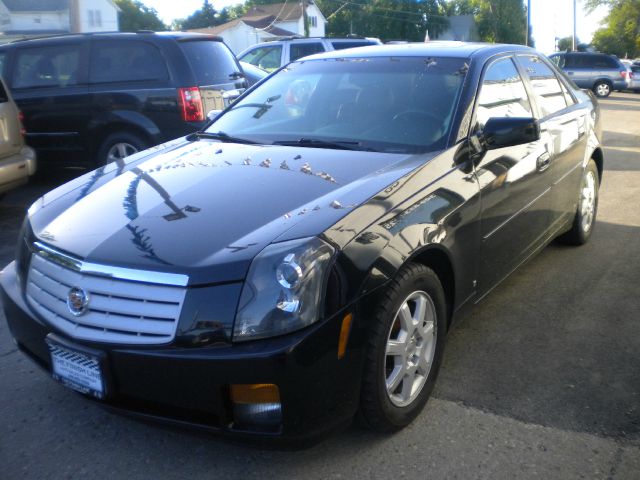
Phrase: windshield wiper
(317, 143)
(222, 136)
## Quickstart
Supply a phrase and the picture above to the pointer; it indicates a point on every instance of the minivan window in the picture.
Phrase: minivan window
(502, 93)
(46, 66)
(546, 88)
(125, 61)
(299, 50)
(3, 54)
(266, 58)
(211, 61)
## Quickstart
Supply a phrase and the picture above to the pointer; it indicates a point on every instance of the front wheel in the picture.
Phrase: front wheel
(585, 216)
(404, 350)
(602, 89)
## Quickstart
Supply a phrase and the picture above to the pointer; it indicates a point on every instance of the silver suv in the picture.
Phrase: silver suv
(594, 71)
(272, 55)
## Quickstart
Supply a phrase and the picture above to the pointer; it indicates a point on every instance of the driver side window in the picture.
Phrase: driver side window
(502, 93)
(266, 58)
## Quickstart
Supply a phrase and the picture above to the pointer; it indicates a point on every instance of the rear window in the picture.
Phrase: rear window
(52, 66)
(299, 50)
(212, 62)
(126, 61)
(352, 44)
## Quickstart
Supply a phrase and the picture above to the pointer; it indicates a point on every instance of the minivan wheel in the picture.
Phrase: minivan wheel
(585, 217)
(404, 350)
(602, 89)
(118, 146)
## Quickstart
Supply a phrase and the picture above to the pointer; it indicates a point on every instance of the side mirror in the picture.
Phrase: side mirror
(213, 114)
(501, 132)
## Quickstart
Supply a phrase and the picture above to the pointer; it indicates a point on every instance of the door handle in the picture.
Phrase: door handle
(543, 162)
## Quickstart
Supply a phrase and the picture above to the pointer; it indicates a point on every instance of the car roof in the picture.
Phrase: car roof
(436, 49)
(111, 35)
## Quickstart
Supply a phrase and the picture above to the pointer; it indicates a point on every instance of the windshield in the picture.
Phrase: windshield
(389, 104)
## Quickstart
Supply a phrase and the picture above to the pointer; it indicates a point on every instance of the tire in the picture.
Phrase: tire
(585, 217)
(389, 409)
(602, 89)
(118, 146)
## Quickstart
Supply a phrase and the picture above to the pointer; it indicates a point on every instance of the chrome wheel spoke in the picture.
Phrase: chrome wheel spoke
(410, 348)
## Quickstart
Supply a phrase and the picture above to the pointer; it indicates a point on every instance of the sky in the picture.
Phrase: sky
(549, 18)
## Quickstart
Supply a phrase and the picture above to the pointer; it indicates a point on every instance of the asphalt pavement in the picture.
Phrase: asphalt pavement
(541, 380)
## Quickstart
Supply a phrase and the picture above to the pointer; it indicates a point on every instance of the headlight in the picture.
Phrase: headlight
(283, 289)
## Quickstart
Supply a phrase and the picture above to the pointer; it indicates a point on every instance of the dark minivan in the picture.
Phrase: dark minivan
(91, 99)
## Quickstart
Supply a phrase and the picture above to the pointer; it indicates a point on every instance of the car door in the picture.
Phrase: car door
(579, 70)
(514, 182)
(48, 82)
(563, 126)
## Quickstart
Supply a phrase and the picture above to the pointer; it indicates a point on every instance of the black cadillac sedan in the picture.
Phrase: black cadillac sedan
(303, 257)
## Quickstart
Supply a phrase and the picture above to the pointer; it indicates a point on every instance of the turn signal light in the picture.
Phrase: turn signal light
(191, 104)
(255, 393)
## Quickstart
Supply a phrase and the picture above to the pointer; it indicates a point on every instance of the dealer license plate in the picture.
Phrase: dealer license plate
(77, 370)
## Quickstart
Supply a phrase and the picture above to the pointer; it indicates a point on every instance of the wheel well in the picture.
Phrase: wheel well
(603, 80)
(599, 159)
(439, 262)
(119, 127)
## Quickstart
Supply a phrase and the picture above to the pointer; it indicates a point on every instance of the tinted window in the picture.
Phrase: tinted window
(502, 93)
(267, 58)
(558, 60)
(3, 54)
(299, 50)
(3, 94)
(52, 66)
(404, 105)
(127, 61)
(546, 87)
(351, 44)
(212, 62)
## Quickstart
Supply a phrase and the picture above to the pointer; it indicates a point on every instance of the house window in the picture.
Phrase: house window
(95, 18)
(313, 21)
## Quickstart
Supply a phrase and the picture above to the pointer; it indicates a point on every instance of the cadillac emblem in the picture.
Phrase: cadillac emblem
(77, 301)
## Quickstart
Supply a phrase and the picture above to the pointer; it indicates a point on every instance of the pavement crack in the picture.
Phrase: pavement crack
(6, 354)
(617, 458)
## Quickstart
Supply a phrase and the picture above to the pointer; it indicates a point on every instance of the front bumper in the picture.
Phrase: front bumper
(318, 391)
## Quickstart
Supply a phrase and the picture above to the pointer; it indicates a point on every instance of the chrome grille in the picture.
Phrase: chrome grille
(119, 311)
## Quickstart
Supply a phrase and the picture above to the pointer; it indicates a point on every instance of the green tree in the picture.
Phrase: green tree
(206, 17)
(501, 21)
(620, 34)
(565, 43)
(134, 16)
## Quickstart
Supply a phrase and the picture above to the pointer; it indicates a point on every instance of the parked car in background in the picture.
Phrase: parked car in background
(634, 77)
(598, 72)
(272, 55)
(17, 161)
(89, 99)
(252, 73)
(304, 257)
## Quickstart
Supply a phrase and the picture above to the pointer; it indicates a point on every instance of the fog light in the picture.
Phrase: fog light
(256, 407)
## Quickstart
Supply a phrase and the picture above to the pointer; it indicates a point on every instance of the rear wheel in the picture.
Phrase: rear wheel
(602, 89)
(118, 146)
(405, 349)
(585, 217)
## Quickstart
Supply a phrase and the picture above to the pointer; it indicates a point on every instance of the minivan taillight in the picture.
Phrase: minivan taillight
(23, 131)
(191, 104)
(624, 74)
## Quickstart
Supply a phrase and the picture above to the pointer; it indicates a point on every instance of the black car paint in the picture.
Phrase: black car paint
(66, 125)
(455, 210)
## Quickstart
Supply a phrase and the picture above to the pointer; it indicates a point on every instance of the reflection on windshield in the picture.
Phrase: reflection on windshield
(391, 104)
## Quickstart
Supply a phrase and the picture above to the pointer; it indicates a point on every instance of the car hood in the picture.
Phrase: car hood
(206, 208)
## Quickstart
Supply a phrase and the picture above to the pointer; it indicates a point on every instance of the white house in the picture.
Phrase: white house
(265, 22)
(24, 18)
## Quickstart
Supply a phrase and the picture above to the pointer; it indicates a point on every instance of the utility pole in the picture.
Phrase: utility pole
(573, 39)
(526, 40)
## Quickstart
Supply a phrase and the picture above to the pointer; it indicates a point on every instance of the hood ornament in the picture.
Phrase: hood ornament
(77, 301)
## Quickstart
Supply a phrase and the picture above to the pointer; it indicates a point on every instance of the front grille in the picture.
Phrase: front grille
(118, 311)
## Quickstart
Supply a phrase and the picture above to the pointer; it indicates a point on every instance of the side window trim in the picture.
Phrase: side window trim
(528, 86)
(486, 67)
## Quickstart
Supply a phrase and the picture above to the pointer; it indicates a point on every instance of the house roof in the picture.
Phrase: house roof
(36, 5)
(265, 24)
(284, 12)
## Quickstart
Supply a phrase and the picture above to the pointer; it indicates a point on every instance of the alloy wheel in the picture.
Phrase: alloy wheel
(588, 201)
(411, 346)
(120, 150)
